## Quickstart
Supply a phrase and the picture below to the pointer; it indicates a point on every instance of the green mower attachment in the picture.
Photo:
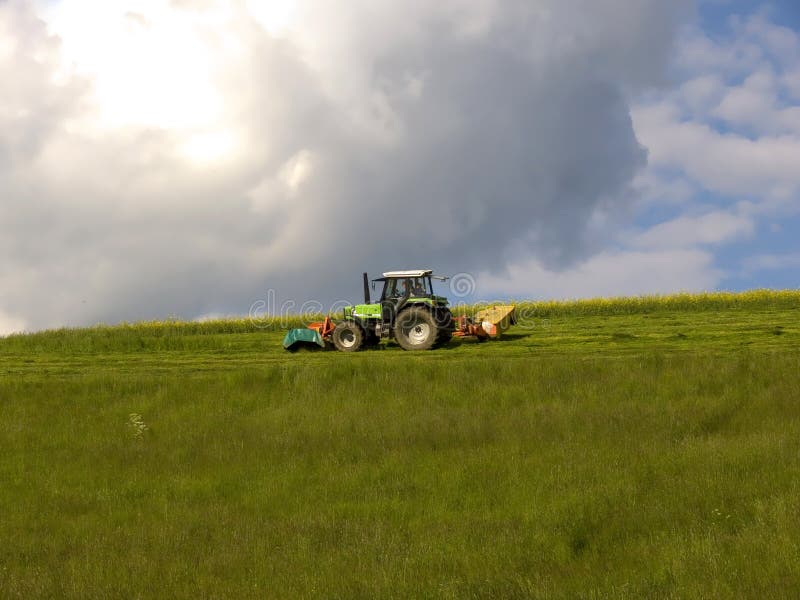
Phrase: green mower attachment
(315, 333)
(296, 338)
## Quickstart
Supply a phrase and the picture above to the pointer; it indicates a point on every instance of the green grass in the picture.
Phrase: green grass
(637, 449)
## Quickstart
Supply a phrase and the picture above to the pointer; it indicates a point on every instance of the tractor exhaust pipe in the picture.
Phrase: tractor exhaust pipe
(366, 289)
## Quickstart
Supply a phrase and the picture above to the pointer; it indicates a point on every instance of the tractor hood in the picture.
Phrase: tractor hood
(363, 311)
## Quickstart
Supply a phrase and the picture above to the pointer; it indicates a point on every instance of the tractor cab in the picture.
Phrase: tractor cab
(405, 284)
(403, 289)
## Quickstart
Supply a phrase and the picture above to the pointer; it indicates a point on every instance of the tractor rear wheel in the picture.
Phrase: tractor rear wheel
(416, 329)
(348, 337)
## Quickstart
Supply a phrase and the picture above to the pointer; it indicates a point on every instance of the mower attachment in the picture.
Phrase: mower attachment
(315, 333)
(488, 323)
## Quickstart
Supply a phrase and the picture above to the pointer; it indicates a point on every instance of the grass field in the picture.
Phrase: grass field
(626, 448)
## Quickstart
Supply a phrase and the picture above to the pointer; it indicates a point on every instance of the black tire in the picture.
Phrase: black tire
(348, 337)
(444, 337)
(444, 320)
(416, 329)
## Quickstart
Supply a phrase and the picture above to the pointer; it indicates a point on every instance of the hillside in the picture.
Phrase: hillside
(625, 448)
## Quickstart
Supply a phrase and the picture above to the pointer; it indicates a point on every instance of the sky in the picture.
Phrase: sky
(196, 158)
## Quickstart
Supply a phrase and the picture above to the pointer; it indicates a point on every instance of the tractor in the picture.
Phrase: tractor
(408, 311)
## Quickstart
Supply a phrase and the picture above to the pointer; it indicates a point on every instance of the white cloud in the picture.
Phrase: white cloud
(781, 42)
(702, 93)
(698, 53)
(617, 273)
(772, 262)
(688, 231)
(9, 325)
(747, 77)
(654, 188)
(790, 81)
(756, 105)
(722, 162)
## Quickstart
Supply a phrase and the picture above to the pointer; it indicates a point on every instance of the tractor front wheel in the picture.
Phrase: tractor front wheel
(348, 337)
(416, 329)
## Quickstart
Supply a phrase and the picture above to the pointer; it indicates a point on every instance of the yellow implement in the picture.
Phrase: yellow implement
(496, 319)
(489, 322)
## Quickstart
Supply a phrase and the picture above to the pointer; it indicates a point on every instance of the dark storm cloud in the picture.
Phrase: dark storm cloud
(377, 137)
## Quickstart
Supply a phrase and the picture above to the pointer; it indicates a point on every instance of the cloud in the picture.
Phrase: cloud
(170, 158)
(754, 105)
(10, 325)
(723, 162)
(733, 125)
(772, 262)
(713, 228)
(610, 273)
(749, 43)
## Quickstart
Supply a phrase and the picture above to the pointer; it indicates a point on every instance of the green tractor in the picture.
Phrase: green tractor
(408, 311)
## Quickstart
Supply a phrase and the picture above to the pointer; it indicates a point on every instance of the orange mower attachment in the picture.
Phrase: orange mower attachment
(324, 328)
(488, 323)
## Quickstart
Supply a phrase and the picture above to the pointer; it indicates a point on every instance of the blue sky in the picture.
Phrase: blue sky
(194, 158)
(714, 14)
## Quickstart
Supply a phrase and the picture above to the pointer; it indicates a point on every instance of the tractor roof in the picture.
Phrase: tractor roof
(417, 273)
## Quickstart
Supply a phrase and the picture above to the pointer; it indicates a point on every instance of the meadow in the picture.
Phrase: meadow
(613, 448)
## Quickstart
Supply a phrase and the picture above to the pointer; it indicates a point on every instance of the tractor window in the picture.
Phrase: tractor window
(410, 286)
(395, 288)
(388, 289)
